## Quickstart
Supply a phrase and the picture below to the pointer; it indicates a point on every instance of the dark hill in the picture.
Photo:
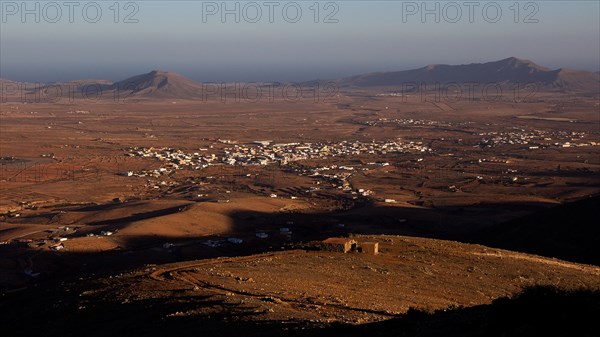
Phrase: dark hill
(569, 232)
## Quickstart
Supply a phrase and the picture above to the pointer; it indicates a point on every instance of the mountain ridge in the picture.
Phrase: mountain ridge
(169, 85)
(506, 71)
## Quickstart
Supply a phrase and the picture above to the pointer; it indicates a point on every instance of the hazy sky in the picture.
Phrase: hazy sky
(191, 38)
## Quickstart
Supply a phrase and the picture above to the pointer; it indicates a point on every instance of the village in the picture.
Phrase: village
(536, 139)
(263, 153)
(310, 159)
(533, 139)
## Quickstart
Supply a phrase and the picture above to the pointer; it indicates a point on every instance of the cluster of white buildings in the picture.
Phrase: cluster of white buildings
(535, 139)
(262, 153)
(409, 121)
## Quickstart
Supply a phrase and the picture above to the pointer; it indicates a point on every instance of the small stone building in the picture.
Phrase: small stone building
(341, 245)
(371, 248)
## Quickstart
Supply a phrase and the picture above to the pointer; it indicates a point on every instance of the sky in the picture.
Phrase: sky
(289, 40)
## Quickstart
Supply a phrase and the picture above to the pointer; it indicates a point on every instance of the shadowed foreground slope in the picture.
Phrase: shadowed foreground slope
(567, 232)
(537, 311)
(413, 287)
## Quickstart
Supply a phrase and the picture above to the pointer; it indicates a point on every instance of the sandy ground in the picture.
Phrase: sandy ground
(136, 248)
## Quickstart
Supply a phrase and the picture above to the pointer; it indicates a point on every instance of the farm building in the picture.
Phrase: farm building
(341, 245)
(371, 248)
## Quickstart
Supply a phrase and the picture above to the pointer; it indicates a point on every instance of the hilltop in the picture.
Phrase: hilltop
(308, 293)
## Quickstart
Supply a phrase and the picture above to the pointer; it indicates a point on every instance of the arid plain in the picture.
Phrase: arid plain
(107, 191)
